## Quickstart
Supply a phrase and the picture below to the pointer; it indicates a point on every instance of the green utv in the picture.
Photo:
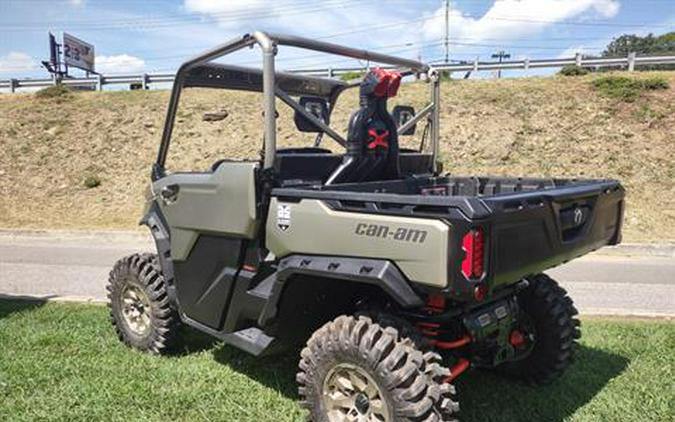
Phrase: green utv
(397, 278)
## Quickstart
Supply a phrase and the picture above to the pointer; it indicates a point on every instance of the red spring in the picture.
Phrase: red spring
(447, 345)
(457, 370)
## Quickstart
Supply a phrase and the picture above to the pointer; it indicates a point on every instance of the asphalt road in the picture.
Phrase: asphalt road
(75, 267)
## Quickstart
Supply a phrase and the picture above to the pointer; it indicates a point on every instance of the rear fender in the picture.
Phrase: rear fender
(380, 273)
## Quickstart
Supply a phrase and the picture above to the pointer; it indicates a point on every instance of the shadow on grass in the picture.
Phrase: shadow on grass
(276, 372)
(9, 306)
(192, 341)
(484, 396)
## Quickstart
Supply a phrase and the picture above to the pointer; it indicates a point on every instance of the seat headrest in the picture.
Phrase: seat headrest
(381, 83)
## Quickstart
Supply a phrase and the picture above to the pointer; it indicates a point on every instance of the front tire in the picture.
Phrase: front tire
(355, 369)
(552, 316)
(140, 309)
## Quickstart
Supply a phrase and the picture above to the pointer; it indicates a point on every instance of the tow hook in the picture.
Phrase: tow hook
(516, 338)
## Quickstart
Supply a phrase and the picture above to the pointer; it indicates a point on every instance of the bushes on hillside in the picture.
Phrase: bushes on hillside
(350, 76)
(55, 91)
(627, 89)
(573, 70)
(92, 181)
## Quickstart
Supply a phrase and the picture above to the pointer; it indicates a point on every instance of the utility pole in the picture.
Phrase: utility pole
(501, 55)
(447, 31)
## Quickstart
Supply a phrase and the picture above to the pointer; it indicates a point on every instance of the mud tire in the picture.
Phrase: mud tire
(557, 328)
(142, 273)
(411, 382)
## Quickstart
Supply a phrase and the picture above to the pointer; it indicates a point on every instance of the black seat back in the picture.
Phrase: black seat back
(372, 140)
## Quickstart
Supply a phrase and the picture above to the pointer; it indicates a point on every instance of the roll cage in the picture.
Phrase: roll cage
(200, 72)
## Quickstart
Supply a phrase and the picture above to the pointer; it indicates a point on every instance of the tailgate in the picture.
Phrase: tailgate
(533, 231)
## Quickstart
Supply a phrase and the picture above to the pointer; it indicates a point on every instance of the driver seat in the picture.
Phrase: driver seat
(372, 139)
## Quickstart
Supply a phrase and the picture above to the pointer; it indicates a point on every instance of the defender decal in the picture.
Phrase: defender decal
(283, 217)
(404, 234)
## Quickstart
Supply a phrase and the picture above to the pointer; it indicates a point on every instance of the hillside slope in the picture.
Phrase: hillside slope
(534, 126)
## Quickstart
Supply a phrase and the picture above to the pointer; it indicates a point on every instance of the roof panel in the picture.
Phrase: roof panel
(215, 75)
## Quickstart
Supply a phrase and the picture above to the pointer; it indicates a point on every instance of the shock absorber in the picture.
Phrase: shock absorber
(436, 304)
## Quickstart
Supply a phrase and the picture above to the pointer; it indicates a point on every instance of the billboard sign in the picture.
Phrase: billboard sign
(78, 53)
(53, 51)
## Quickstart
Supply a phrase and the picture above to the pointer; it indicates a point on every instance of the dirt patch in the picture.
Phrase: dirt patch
(54, 148)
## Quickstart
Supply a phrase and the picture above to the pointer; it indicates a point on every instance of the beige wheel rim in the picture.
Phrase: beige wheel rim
(350, 394)
(136, 309)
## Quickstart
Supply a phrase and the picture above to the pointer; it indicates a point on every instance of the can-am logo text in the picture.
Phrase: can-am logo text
(403, 234)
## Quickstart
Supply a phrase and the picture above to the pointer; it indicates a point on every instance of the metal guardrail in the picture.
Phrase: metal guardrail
(147, 79)
(476, 66)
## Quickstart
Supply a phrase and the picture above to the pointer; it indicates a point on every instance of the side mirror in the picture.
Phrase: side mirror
(402, 114)
(315, 106)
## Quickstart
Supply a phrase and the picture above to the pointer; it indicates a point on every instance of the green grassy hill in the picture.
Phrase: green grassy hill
(83, 160)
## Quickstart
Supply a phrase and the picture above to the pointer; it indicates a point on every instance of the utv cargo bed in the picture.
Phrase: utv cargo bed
(529, 224)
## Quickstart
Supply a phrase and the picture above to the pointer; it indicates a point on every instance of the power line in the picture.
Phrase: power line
(514, 46)
(377, 27)
(577, 23)
(180, 20)
(409, 47)
(236, 14)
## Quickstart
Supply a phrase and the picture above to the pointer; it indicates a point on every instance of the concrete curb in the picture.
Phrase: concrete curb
(52, 298)
(661, 249)
(51, 235)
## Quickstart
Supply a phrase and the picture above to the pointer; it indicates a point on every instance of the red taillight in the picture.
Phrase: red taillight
(473, 245)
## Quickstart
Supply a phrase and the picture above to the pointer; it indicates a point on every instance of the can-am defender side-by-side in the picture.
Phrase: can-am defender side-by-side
(397, 278)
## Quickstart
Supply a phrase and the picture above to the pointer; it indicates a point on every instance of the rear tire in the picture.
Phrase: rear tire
(140, 309)
(355, 369)
(553, 315)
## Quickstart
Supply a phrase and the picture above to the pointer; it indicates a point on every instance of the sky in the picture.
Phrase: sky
(134, 36)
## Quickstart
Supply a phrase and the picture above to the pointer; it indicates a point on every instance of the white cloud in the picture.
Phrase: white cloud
(316, 20)
(219, 6)
(122, 63)
(333, 18)
(509, 19)
(76, 3)
(16, 62)
(607, 8)
(504, 20)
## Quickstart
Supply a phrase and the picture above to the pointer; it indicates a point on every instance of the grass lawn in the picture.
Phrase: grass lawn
(63, 362)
